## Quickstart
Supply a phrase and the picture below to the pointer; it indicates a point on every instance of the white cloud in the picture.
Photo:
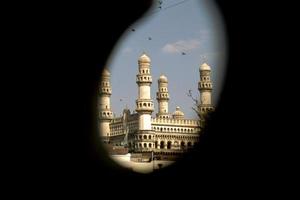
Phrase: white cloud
(181, 46)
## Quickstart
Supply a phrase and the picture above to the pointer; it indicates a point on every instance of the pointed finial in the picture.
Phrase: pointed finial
(203, 58)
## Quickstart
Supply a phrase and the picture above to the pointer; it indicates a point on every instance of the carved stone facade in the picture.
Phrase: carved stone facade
(167, 134)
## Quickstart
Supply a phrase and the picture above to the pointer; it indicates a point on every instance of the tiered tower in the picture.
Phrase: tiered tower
(205, 89)
(105, 113)
(162, 97)
(144, 106)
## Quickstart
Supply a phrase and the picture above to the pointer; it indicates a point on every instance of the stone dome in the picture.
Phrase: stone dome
(178, 113)
(204, 66)
(144, 58)
(105, 72)
(163, 78)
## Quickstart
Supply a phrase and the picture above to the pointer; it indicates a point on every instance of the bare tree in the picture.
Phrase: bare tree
(196, 103)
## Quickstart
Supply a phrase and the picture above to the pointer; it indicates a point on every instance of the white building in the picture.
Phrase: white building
(168, 134)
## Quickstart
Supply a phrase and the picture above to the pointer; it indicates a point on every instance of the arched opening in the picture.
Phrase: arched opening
(182, 144)
(150, 145)
(162, 144)
(169, 144)
(145, 145)
(156, 144)
(189, 144)
(145, 137)
(149, 137)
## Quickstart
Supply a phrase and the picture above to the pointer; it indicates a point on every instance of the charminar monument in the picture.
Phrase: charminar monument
(143, 137)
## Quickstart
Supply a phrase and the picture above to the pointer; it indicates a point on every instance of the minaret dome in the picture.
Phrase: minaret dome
(204, 66)
(105, 72)
(144, 58)
(163, 79)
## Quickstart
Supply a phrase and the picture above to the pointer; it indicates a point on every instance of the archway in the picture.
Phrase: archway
(182, 144)
(169, 144)
(162, 144)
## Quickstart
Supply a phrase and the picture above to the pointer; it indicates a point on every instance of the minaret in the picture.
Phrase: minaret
(105, 113)
(144, 105)
(205, 89)
(162, 97)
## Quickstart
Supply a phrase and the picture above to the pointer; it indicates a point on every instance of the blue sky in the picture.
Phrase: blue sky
(191, 26)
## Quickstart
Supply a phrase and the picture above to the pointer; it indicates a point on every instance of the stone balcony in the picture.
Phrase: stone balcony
(143, 78)
(144, 105)
(106, 115)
